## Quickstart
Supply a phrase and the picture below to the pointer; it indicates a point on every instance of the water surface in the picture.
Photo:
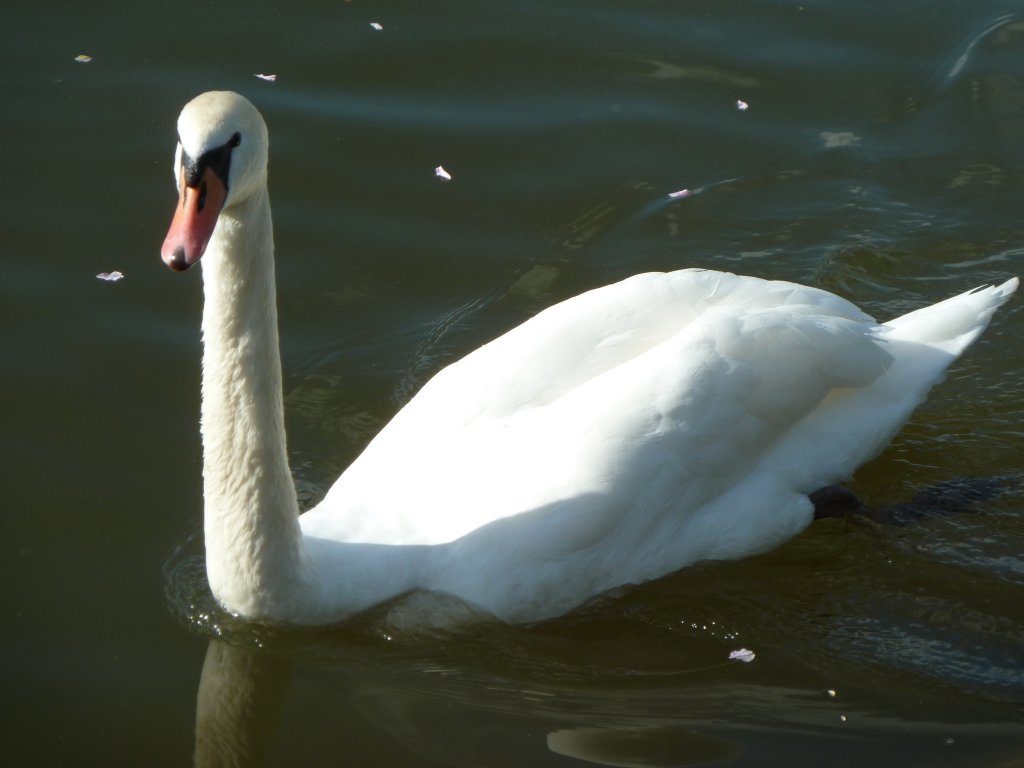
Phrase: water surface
(879, 157)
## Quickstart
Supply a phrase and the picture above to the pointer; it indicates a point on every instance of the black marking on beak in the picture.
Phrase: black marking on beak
(178, 261)
(217, 160)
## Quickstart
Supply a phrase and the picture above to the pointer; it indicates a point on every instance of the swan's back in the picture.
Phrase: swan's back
(640, 427)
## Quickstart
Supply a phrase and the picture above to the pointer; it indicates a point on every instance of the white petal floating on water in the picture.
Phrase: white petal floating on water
(679, 193)
(268, 78)
(83, 58)
(743, 654)
(831, 693)
(377, 25)
(110, 277)
(741, 105)
(442, 173)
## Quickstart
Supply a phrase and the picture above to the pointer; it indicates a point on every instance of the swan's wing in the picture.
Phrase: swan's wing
(581, 338)
(660, 392)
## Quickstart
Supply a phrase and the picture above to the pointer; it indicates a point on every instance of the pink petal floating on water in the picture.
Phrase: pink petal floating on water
(679, 193)
(110, 277)
(377, 25)
(741, 105)
(743, 654)
(268, 78)
(442, 173)
(83, 58)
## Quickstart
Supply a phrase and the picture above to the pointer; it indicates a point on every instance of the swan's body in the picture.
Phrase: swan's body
(616, 437)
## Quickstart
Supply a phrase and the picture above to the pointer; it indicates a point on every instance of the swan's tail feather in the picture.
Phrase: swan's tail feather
(954, 324)
(853, 425)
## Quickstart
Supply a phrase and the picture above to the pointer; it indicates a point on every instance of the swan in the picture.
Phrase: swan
(613, 438)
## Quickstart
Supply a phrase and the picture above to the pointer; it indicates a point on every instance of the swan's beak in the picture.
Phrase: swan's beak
(194, 221)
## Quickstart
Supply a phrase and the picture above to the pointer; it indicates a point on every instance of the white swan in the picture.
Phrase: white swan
(614, 438)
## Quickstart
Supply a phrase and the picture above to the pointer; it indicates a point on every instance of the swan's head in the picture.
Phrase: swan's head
(221, 161)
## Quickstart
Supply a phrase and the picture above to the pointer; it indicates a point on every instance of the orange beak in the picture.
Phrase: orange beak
(194, 221)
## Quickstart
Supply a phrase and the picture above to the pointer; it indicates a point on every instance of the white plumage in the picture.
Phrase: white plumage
(613, 438)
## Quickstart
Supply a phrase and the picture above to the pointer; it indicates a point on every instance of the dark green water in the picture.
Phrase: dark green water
(880, 157)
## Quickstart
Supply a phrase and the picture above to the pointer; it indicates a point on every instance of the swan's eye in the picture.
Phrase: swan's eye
(202, 196)
(236, 139)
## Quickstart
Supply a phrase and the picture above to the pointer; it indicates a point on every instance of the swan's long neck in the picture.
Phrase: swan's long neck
(254, 548)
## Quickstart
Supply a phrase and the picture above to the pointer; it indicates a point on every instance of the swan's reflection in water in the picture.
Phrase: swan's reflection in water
(242, 693)
(258, 707)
